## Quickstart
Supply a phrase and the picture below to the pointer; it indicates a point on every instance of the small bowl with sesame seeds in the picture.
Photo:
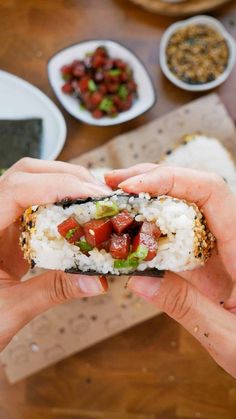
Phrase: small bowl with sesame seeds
(197, 54)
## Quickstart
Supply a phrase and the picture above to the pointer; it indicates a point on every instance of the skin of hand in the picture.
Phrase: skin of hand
(31, 182)
(202, 300)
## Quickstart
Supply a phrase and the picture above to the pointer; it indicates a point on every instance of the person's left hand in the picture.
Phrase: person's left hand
(31, 182)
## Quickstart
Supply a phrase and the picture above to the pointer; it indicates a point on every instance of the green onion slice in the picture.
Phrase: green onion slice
(106, 104)
(140, 254)
(92, 86)
(70, 233)
(84, 245)
(106, 209)
(125, 264)
(114, 72)
(123, 92)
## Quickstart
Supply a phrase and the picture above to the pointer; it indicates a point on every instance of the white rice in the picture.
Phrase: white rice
(175, 218)
(204, 153)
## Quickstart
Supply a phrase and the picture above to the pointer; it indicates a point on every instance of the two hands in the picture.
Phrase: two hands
(203, 300)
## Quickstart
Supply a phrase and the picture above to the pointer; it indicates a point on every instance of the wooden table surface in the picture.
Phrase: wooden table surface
(156, 370)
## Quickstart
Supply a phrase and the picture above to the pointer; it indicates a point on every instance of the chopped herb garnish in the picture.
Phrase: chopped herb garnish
(106, 104)
(84, 245)
(123, 92)
(114, 72)
(92, 86)
(66, 77)
(70, 233)
(123, 264)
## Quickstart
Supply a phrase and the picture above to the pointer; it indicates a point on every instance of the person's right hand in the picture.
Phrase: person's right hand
(34, 182)
(202, 300)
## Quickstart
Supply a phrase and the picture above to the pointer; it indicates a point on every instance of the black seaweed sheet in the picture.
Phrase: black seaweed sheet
(148, 272)
(19, 138)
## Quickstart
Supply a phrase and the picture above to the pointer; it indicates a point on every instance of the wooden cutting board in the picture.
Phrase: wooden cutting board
(184, 8)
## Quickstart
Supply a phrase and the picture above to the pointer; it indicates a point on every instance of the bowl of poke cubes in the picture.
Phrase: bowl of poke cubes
(101, 82)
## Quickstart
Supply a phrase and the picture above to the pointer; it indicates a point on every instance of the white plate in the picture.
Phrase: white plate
(20, 99)
(214, 24)
(146, 91)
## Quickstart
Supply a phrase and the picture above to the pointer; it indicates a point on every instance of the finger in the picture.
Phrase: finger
(212, 279)
(230, 304)
(30, 165)
(208, 191)
(12, 260)
(213, 326)
(20, 190)
(31, 298)
(115, 177)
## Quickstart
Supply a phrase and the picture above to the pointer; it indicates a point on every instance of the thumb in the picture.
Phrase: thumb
(211, 324)
(24, 301)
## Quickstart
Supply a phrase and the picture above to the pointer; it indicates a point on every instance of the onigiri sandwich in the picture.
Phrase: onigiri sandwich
(119, 234)
(200, 152)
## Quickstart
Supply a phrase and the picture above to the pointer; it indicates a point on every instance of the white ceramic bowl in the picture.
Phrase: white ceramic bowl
(146, 91)
(20, 99)
(214, 24)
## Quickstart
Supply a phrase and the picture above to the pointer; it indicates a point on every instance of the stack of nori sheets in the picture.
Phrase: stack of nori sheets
(19, 138)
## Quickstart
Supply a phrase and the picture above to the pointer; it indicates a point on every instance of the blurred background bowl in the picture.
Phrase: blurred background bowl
(197, 20)
(146, 91)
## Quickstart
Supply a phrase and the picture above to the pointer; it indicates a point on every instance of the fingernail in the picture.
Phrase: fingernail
(91, 285)
(114, 172)
(123, 184)
(126, 184)
(104, 282)
(145, 286)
